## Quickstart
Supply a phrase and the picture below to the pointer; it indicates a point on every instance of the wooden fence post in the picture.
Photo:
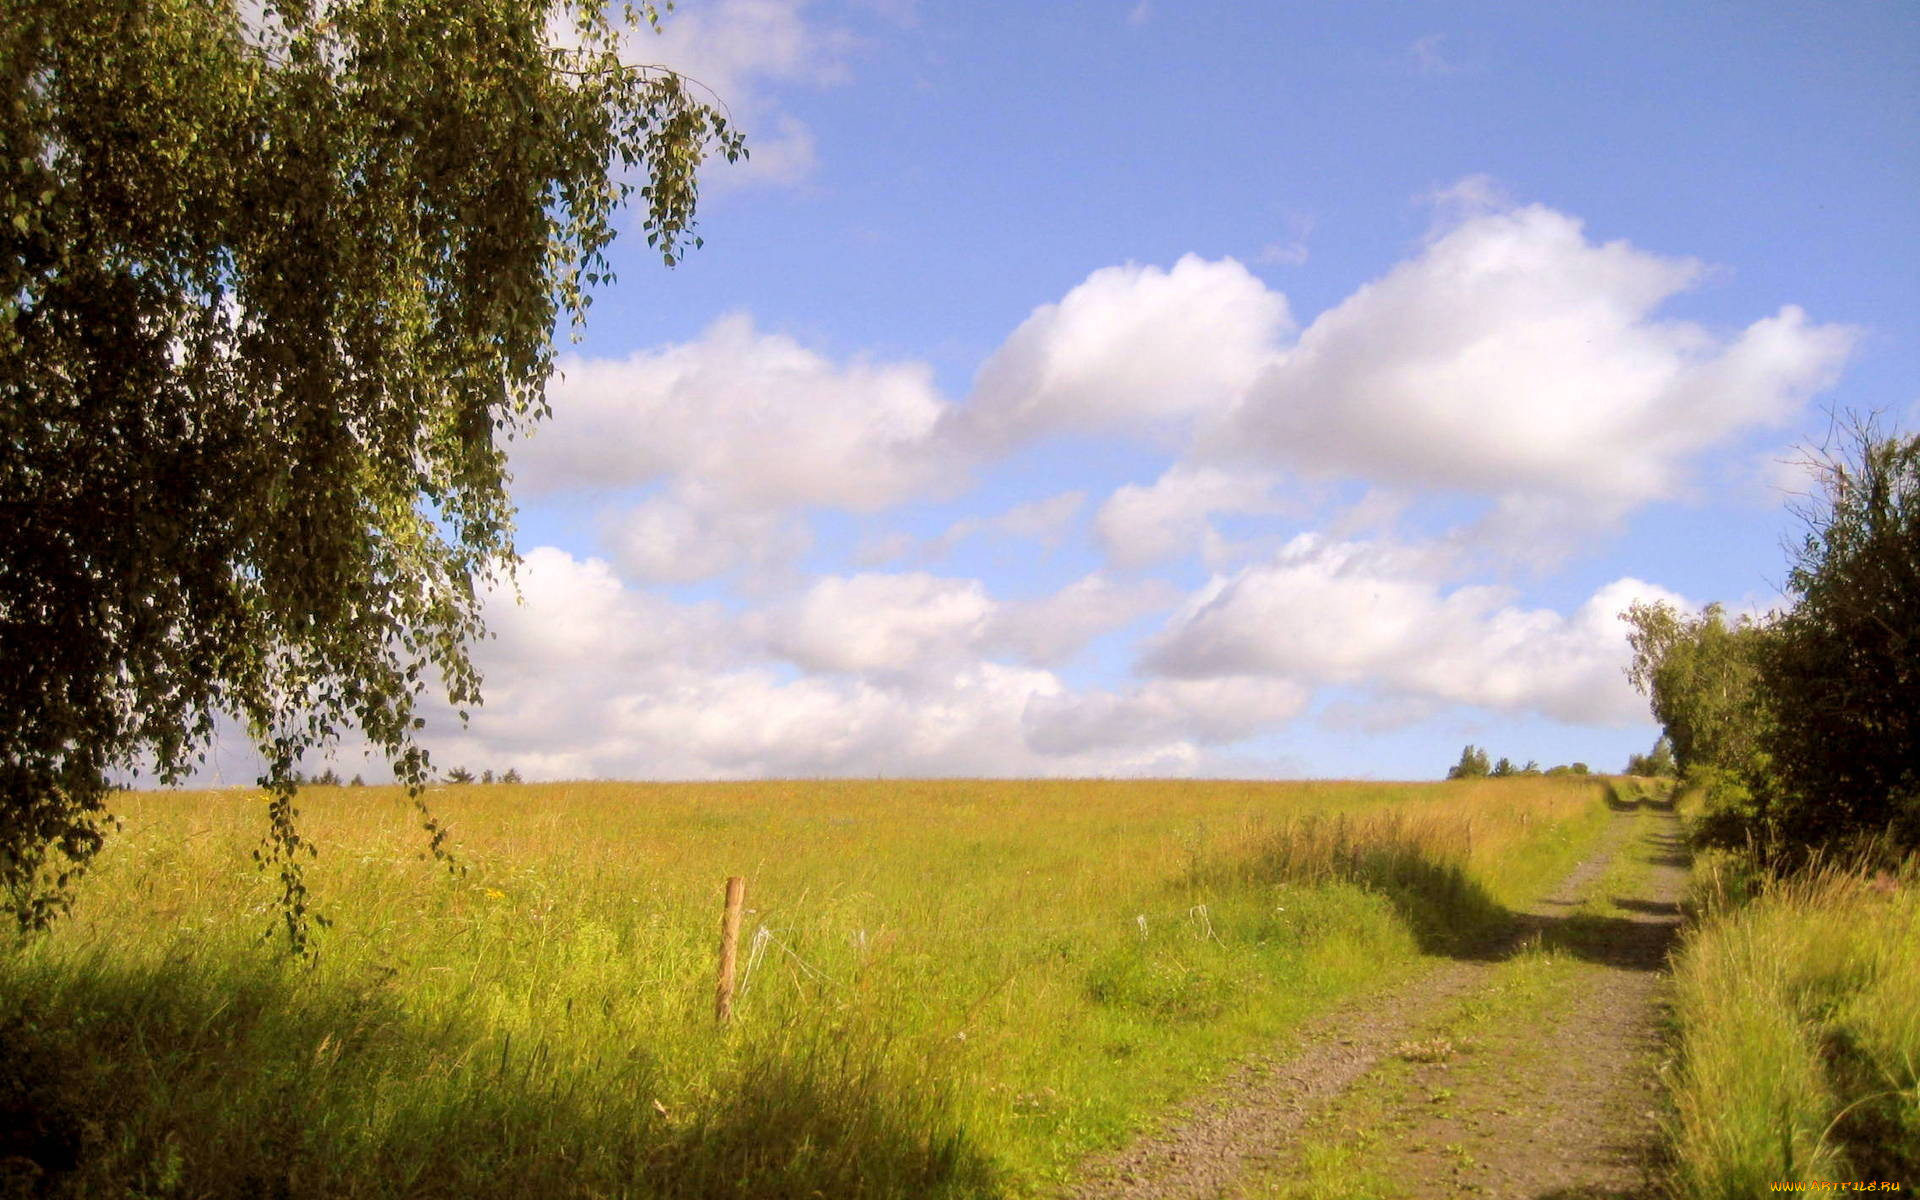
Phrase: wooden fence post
(729, 942)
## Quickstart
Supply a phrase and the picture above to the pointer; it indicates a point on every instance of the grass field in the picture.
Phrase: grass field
(1798, 1014)
(963, 986)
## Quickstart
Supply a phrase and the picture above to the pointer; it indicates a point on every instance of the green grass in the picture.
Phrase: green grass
(955, 995)
(1798, 1018)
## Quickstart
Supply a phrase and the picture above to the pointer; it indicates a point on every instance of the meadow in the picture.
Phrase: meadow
(1798, 1028)
(948, 987)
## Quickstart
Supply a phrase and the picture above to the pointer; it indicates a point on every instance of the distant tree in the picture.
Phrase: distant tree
(356, 781)
(1532, 767)
(1657, 762)
(280, 282)
(1504, 768)
(486, 776)
(459, 775)
(328, 778)
(1472, 764)
(512, 776)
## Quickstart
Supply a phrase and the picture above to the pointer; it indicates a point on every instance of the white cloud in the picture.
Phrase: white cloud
(886, 624)
(1510, 358)
(1131, 349)
(754, 420)
(591, 678)
(1167, 518)
(679, 538)
(745, 52)
(913, 624)
(1376, 616)
(574, 613)
(750, 725)
(1207, 711)
(1052, 629)
(1514, 356)
(1044, 521)
(781, 151)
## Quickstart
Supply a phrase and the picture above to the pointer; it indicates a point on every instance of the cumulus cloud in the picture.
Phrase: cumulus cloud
(589, 677)
(1052, 629)
(1205, 711)
(745, 52)
(1511, 358)
(1132, 349)
(914, 624)
(576, 612)
(1140, 525)
(752, 725)
(679, 537)
(889, 624)
(754, 420)
(1377, 616)
(1515, 356)
(1044, 521)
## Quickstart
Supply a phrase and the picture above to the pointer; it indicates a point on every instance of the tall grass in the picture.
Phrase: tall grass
(1799, 1031)
(961, 986)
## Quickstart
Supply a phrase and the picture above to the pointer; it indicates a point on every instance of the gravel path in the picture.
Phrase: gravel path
(1569, 1121)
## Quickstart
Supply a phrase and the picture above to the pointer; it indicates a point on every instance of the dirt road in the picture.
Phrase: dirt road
(1529, 1071)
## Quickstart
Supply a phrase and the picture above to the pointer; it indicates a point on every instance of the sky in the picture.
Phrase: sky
(1121, 387)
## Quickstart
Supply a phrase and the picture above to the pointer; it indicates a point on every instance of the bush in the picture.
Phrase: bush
(1843, 674)
(1804, 728)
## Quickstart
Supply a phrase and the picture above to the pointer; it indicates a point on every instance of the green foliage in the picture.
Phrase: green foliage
(1805, 728)
(512, 776)
(1843, 676)
(459, 775)
(1702, 676)
(275, 290)
(1657, 762)
(1472, 764)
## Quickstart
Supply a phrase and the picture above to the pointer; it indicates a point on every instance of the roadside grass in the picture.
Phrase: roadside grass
(963, 987)
(1798, 1030)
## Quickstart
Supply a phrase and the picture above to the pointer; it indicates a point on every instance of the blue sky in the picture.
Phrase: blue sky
(1137, 388)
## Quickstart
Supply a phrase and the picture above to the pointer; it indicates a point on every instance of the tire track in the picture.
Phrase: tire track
(1247, 1124)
